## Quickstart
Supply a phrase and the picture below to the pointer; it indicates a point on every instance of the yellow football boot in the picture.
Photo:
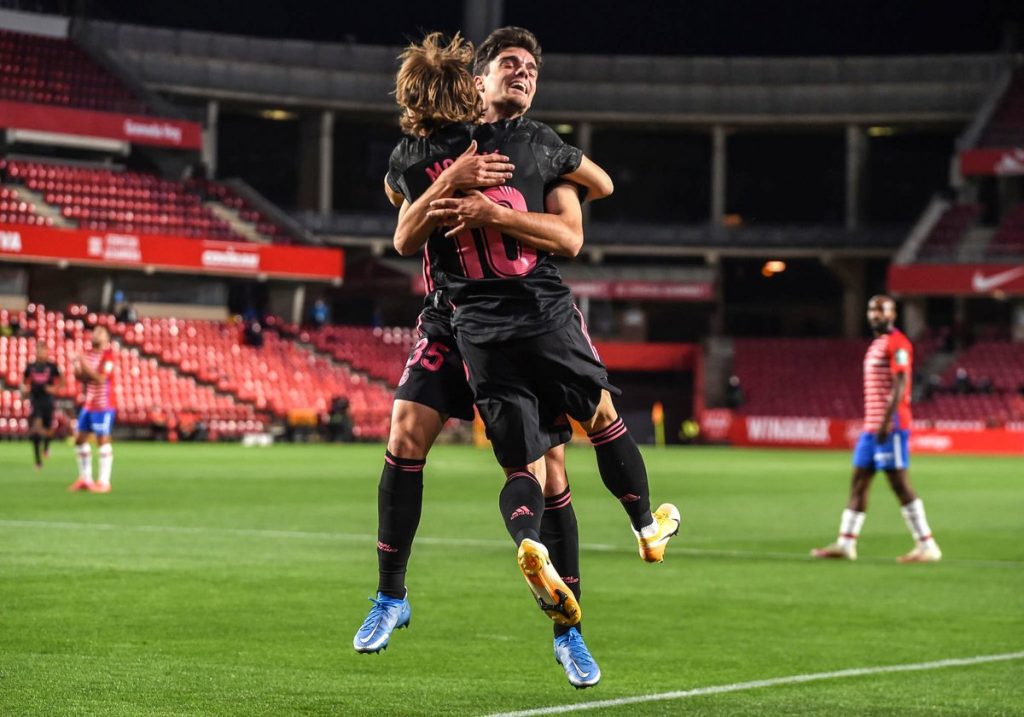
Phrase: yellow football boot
(552, 594)
(652, 549)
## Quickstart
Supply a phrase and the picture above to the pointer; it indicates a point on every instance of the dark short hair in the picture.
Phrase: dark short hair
(504, 38)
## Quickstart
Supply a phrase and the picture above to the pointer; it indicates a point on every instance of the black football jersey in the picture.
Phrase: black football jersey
(39, 376)
(498, 288)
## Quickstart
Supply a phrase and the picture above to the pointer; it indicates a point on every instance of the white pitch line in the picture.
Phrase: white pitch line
(756, 684)
(449, 542)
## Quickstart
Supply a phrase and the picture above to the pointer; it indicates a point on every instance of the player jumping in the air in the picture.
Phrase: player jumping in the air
(884, 443)
(497, 242)
(433, 385)
(42, 381)
(95, 369)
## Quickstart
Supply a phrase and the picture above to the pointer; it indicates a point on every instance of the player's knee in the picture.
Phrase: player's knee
(605, 415)
(557, 480)
(405, 441)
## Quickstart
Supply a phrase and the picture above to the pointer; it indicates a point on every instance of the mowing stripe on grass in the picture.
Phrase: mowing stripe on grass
(449, 542)
(755, 684)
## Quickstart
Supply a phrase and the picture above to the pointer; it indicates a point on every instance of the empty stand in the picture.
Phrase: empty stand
(822, 377)
(1006, 128)
(15, 210)
(801, 377)
(246, 212)
(142, 386)
(379, 352)
(54, 71)
(944, 239)
(109, 200)
(106, 200)
(277, 377)
(1009, 238)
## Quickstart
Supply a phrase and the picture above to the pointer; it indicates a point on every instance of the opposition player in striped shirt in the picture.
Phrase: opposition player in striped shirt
(883, 444)
(96, 371)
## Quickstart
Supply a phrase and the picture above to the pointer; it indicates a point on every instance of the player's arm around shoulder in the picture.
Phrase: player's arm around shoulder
(395, 197)
(569, 162)
(591, 177)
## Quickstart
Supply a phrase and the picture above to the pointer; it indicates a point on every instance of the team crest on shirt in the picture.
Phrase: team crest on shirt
(902, 357)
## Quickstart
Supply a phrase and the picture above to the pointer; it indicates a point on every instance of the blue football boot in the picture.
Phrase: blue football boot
(572, 654)
(387, 615)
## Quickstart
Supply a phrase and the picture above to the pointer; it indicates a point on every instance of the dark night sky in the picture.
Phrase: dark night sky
(680, 27)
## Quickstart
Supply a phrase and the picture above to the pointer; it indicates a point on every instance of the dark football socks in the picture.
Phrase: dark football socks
(399, 502)
(522, 506)
(36, 440)
(623, 472)
(560, 535)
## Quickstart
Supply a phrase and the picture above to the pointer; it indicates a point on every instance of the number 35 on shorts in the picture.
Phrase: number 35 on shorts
(429, 355)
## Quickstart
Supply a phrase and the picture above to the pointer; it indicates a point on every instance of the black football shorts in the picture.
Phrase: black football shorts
(435, 377)
(44, 410)
(525, 388)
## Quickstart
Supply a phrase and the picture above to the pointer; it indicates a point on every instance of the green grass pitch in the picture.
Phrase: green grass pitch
(220, 580)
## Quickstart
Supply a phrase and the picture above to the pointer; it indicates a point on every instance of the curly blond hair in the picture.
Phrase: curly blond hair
(434, 86)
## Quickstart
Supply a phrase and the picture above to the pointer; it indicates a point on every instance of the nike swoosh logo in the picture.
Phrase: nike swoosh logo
(365, 640)
(581, 672)
(982, 283)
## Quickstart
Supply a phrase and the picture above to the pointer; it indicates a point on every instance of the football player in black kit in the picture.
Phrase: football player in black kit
(42, 380)
(433, 385)
(493, 268)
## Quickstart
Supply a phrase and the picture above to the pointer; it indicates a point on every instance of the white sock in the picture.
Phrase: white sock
(648, 531)
(917, 523)
(849, 527)
(84, 455)
(106, 463)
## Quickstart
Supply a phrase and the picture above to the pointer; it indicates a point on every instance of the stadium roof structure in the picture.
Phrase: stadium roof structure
(600, 88)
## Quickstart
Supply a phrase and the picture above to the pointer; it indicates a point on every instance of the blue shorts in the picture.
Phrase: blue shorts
(894, 454)
(98, 422)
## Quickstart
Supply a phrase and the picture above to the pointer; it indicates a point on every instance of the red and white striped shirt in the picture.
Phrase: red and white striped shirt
(888, 355)
(99, 395)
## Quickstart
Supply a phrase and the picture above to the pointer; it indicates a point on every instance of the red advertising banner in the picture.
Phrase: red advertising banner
(643, 290)
(957, 279)
(633, 356)
(168, 253)
(988, 162)
(630, 290)
(816, 432)
(137, 129)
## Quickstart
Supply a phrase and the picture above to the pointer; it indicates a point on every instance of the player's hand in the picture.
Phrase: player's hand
(471, 170)
(468, 212)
